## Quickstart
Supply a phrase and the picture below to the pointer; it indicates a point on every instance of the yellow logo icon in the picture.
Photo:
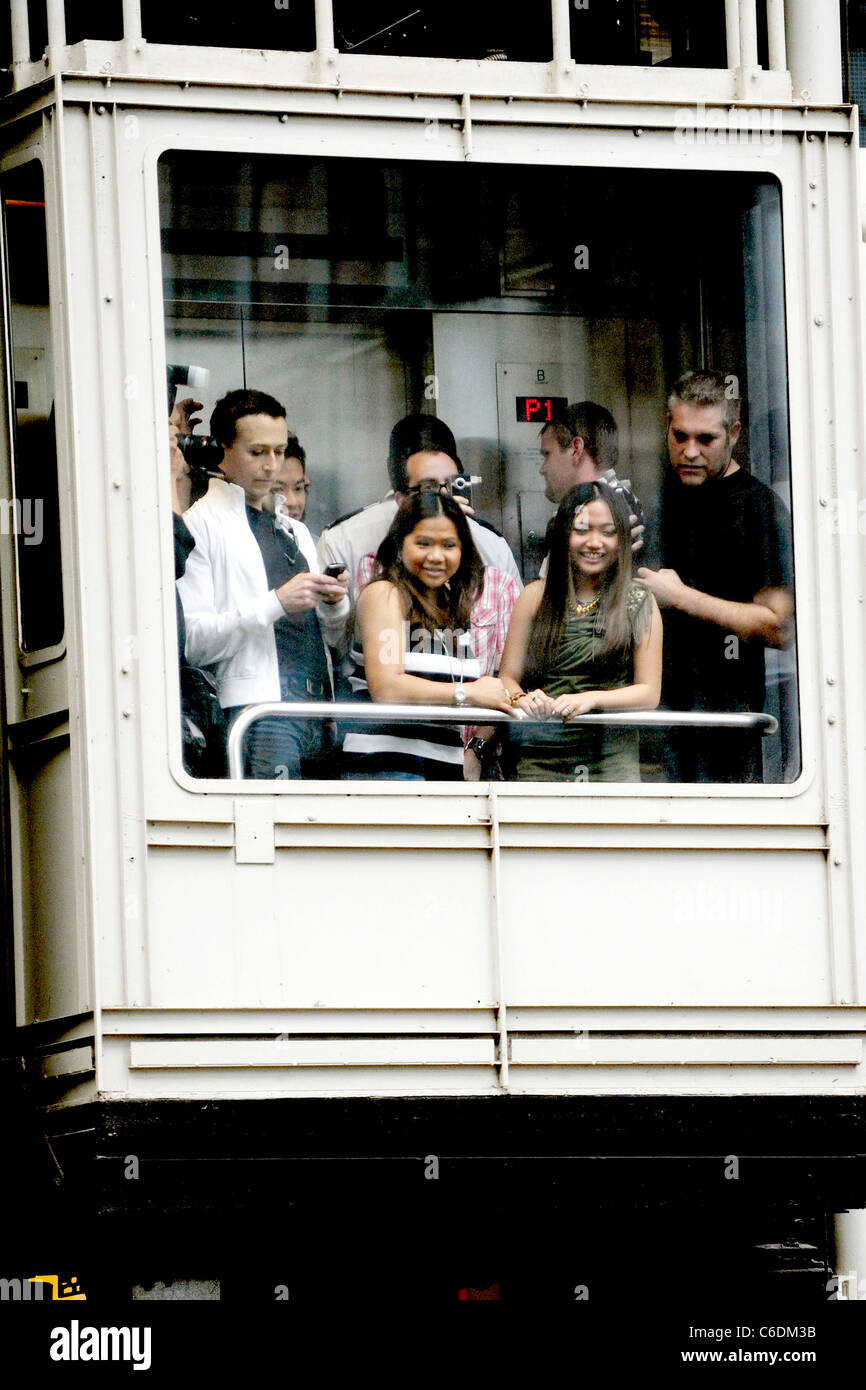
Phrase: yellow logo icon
(62, 1290)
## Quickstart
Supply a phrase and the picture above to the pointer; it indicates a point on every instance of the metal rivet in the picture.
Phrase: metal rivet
(283, 118)
(831, 719)
(819, 323)
(822, 501)
(127, 713)
(831, 680)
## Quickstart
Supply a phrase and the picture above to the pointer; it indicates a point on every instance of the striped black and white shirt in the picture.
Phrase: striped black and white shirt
(432, 751)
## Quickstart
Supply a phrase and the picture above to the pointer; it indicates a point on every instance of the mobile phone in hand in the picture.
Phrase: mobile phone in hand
(334, 571)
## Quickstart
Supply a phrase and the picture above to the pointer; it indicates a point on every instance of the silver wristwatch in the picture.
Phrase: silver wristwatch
(459, 696)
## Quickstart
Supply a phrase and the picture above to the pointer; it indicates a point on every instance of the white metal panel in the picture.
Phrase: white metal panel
(296, 1022)
(705, 1020)
(260, 1083)
(313, 1052)
(688, 1081)
(73, 1062)
(317, 929)
(631, 927)
(55, 951)
(642, 1051)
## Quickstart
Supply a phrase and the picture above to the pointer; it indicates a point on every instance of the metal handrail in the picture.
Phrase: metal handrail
(370, 713)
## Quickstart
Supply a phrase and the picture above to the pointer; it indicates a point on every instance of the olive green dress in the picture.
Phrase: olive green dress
(552, 751)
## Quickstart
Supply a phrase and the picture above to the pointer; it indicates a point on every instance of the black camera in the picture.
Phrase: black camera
(203, 458)
(200, 451)
(461, 486)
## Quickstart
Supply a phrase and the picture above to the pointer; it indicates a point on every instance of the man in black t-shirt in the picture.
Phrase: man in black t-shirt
(723, 544)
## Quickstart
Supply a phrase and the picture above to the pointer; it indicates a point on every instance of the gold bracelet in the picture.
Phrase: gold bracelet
(514, 699)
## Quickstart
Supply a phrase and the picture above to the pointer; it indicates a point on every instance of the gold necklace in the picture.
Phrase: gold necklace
(582, 608)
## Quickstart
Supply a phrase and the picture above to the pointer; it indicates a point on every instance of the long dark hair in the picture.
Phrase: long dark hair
(613, 629)
(456, 599)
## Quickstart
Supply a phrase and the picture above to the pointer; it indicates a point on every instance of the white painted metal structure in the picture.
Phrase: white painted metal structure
(322, 939)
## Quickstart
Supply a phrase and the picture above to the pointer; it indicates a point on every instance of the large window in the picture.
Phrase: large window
(356, 292)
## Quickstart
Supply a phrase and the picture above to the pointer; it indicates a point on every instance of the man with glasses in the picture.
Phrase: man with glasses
(422, 453)
(291, 482)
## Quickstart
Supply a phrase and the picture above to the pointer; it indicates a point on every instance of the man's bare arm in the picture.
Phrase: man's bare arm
(767, 618)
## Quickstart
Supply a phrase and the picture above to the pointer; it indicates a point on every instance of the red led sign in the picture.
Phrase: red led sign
(539, 410)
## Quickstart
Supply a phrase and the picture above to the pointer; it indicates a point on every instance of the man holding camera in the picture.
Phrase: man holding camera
(723, 545)
(257, 609)
(422, 449)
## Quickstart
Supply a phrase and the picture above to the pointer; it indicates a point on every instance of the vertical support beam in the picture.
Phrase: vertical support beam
(748, 34)
(20, 38)
(776, 35)
(56, 13)
(132, 21)
(498, 943)
(325, 26)
(814, 50)
(562, 66)
(326, 48)
(561, 34)
(732, 32)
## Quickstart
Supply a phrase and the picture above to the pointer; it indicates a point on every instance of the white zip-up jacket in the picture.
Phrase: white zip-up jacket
(228, 608)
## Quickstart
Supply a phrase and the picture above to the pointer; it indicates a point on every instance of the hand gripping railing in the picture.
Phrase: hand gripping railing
(454, 714)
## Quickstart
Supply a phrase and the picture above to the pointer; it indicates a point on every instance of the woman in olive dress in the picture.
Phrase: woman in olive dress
(586, 638)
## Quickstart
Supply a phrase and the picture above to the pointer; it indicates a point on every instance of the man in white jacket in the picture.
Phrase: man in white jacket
(257, 609)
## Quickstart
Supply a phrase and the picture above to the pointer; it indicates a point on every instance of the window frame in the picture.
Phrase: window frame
(42, 656)
(637, 793)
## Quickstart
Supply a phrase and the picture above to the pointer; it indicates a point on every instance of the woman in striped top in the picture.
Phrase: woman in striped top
(413, 643)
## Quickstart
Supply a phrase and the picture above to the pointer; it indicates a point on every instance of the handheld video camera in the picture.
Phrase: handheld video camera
(461, 486)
